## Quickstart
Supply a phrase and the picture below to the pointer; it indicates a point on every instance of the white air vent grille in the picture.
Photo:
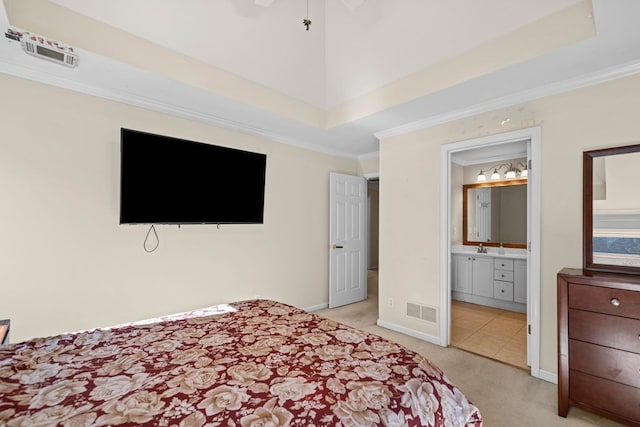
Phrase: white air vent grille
(422, 312)
(44, 48)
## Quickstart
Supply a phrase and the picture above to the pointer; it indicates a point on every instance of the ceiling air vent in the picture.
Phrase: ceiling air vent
(42, 47)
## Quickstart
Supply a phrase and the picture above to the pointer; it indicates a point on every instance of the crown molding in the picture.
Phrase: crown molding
(43, 77)
(583, 81)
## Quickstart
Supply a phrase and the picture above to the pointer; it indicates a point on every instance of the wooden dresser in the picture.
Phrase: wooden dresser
(599, 344)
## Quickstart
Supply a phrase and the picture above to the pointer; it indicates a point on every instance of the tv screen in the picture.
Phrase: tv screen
(166, 180)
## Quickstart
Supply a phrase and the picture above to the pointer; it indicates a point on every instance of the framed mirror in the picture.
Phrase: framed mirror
(495, 213)
(611, 210)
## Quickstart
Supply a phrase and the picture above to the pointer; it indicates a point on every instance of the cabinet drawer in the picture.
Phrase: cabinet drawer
(615, 398)
(503, 264)
(608, 363)
(611, 331)
(605, 300)
(503, 290)
(505, 276)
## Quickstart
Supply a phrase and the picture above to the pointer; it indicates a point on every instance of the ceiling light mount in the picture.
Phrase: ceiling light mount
(307, 21)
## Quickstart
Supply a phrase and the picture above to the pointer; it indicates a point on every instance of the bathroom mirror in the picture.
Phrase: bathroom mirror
(495, 213)
(611, 210)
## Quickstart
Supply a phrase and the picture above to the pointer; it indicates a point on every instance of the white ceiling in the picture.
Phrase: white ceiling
(350, 57)
(346, 53)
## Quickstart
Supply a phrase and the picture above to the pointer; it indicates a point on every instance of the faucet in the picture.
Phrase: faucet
(482, 249)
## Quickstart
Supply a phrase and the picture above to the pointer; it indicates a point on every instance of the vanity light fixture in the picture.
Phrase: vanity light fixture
(525, 171)
(511, 172)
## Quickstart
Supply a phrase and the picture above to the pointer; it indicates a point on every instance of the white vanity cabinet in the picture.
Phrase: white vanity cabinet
(520, 281)
(496, 281)
(473, 274)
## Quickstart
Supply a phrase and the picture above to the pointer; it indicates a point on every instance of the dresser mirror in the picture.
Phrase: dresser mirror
(495, 213)
(611, 209)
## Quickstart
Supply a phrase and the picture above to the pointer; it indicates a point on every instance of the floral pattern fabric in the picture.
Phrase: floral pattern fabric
(250, 364)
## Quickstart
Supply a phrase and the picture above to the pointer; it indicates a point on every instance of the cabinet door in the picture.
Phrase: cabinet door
(461, 273)
(483, 276)
(520, 281)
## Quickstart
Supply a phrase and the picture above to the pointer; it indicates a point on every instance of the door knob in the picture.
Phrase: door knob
(337, 246)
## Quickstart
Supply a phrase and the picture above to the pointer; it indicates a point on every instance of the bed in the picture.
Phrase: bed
(251, 363)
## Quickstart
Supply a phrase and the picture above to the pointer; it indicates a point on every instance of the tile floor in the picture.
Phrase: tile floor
(497, 334)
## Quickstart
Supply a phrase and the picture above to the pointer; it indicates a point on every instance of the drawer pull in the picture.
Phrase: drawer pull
(615, 302)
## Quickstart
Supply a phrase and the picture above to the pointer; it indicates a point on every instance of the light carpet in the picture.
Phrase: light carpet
(506, 396)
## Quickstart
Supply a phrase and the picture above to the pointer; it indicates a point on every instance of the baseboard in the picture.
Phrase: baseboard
(548, 376)
(317, 307)
(410, 332)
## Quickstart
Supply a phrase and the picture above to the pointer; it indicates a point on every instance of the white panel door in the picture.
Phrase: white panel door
(483, 214)
(347, 238)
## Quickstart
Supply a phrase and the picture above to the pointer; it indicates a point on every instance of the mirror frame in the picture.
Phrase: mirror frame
(587, 209)
(465, 206)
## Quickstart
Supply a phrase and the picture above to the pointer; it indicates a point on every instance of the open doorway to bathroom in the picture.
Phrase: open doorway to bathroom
(498, 276)
(373, 190)
(488, 250)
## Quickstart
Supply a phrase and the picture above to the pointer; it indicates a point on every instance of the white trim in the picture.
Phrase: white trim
(495, 159)
(371, 175)
(317, 307)
(548, 376)
(445, 244)
(535, 262)
(162, 107)
(446, 151)
(410, 332)
(585, 80)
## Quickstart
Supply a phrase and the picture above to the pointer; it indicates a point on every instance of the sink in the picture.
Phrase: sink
(491, 251)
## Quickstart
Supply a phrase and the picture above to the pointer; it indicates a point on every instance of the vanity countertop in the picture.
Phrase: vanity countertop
(491, 252)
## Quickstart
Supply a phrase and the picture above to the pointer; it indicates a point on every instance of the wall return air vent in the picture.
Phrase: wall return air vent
(44, 48)
(422, 312)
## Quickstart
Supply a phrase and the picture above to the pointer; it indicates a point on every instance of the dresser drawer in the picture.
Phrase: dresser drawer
(506, 276)
(618, 399)
(605, 300)
(611, 331)
(608, 363)
(503, 264)
(503, 290)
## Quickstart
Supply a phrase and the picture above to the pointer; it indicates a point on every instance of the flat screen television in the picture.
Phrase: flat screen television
(165, 180)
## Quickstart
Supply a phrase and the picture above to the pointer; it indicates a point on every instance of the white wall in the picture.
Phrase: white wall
(66, 264)
(596, 117)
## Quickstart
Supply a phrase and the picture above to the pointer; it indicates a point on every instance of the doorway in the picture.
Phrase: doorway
(373, 203)
(449, 228)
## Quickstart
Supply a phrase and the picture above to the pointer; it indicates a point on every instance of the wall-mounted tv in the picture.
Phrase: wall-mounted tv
(166, 180)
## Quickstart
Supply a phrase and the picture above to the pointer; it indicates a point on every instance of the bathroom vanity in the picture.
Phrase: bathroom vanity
(491, 279)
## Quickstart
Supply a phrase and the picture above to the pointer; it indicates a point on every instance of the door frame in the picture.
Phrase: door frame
(362, 272)
(533, 135)
(367, 177)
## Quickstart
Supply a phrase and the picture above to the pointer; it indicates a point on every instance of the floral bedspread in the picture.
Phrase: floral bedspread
(264, 364)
